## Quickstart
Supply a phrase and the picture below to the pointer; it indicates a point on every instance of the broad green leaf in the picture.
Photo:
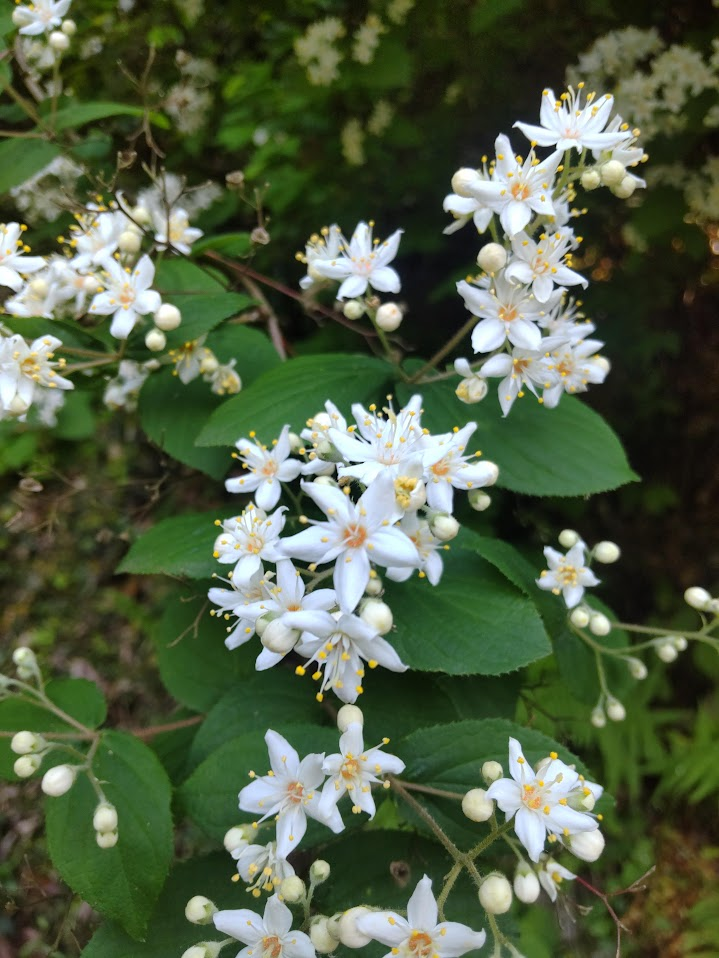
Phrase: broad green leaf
(77, 419)
(21, 159)
(70, 333)
(17, 449)
(474, 622)
(202, 313)
(175, 274)
(505, 558)
(229, 244)
(180, 546)
(70, 117)
(296, 390)
(123, 882)
(567, 451)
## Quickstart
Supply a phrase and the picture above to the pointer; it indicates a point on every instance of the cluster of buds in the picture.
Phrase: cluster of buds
(43, 20)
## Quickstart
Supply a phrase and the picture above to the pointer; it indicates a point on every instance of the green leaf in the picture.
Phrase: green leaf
(123, 882)
(474, 622)
(21, 159)
(76, 420)
(180, 546)
(71, 333)
(202, 313)
(16, 449)
(567, 451)
(69, 117)
(179, 275)
(296, 390)
(229, 244)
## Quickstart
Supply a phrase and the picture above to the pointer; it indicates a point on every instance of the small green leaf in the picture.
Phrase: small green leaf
(229, 244)
(180, 546)
(123, 882)
(70, 117)
(21, 159)
(202, 313)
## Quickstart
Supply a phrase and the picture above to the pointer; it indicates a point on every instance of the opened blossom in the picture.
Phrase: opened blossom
(447, 467)
(14, 261)
(353, 771)
(523, 368)
(41, 16)
(248, 539)
(27, 369)
(543, 264)
(506, 310)
(270, 936)
(241, 602)
(362, 262)
(566, 123)
(567, 575)
(127, 295)
(266, 468)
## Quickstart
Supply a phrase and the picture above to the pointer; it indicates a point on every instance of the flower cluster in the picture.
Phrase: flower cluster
(45, 33)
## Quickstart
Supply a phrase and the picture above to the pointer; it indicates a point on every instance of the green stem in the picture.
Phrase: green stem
(447, 888)
(430, 790)
(496, 833)
(427, 818)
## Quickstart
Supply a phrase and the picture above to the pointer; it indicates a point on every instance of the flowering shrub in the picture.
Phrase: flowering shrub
(360, 578)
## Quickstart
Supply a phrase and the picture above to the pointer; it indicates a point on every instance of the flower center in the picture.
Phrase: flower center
(126, 296)
(567, 574)
(295, 792)
(519, 190)
(420, 945)
(271, 947)
(269, 468)
(355, 536)
(507, 313)
(532, 797)
(350, 768)
(442, 467)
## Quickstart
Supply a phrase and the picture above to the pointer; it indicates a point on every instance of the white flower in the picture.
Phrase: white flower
(573, 366)
(524, 367)
(122, 391)
(25, 369)
(270, 936)
(39, 296)
(289, 792)
(14, 263)
(362, 262)
(173, 229)
(354, 535)
(354, 770)
(260, 867)
(41, 16)
(96, 237)
(223, 380)
(567, 124)
(539, 803)
(565, 323)
(626, 153)
(192, 359)
(323, 458)
(249, 538)
(428, 546)
(127, 295)
(464, 208)
(419, 935)
(567, 575)
(551, 875)
(517, 188)
(242, 601)
(266, 469)
(325, 245)
(447, 468)
(544, 264)
(506, 311)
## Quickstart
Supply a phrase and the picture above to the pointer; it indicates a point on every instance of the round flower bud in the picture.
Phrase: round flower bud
(579, 617)
(526, 884)
(18, 17)
(599, 624)
(319, 871)
(204, 949)
(209, 364)
(491, 772)
(58, 780)
(713, 606)
(697, 597)
(568, 538)
(129, 241)
(598, 717)
(333, 925)
(495, 894)
(615, 710)
(235, 179)
(612, 173)
(476, 806)
(292, 889)
(492, 257)
(375, 586)
(39, 287)
(349, 715)
(586, 845)
(278, 638)
(321, 937)
(296, 442)
(637, 669)
(389, 317)
(606, 552)
(603, 363)
(679, 643)
(444, 527)
(27, 765)
(261, 624)
(377, 614)
(666, 650)
(626, 188)
(472, 390)
(479, 500)
(18, 407)
(463, 181)
(236, 837)
(590, 179)
(155, 340)
(105, 818)
(353, 309)
(24, 743)
(349, 933)
(199, 910)
(106, 839)
(59, 41)
(69, 27)
(24, 657)
(90, 284)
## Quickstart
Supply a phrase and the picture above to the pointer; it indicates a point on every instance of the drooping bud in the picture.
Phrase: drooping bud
(444, 527)
(679, 642)
(590, 179)
(472, 390)
(236, 837)
(59, 41)
(615, 710)
(105, 818)
(606, 552)
(626, 188)
(637, 669)
(353, 309)
(463, 181)
(292, 889)
(492, 257)
(389, 317)
(526, 884)
(155, 340)
(598, 717)
(599, 624)
(349, 933)
(666, 650)
(58, 780)
(106, 839)
(697, 598)
(278, 638)
(69, 27)
(495, 894)
(476, 806)
(321, 937)
(491, 772)
(129, 241)
(579, 617)
(168, 317)
(24, 657)
(479, 500)
(25, 743)
(319, 871)
(377, 615)
(199, 910)
(612, 173)
(586, 845)
(27, 765)
(349, 715)
(568, 538)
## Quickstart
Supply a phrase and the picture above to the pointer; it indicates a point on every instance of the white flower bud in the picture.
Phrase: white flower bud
(278, 638)
(325, 480)
(598, 717)
(58, 780)
(349, 715)
(90, 284)
(476, 806)
(39, 287)
(24, 743)
(69, 27)
(377, 614)
(463, 181)
(389, 317)
(105, 818)
(666, 650)
(18, 17)
(526, 884)
(236, 837)
(142, 216)
(129, 241)
(333, 925)
(292, 889)
(615, 710)
(495, 894)
(603, 364)
(492, 771)
(599, 624)
(155, 340)
(24, 657)
(579, 617)
(590, 179)
(296, 442)
(444, 527)
(319, 871)
(204, 949)
(261, 624)
(353, 309)
(568, 538)
(612, 173)
(27, 765)
(375, 586)
(626, 188)
(349, 933)
(321, 937)
(18, 407)
(697, 597)
(586, 845)
(479, 500)
(606, 552)
(492, 257)
(713, 606)
(209, 364)
(637, 669)
(679, 643)
(199, 910)
(106, 839)
(472, 390)
(59, 41)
